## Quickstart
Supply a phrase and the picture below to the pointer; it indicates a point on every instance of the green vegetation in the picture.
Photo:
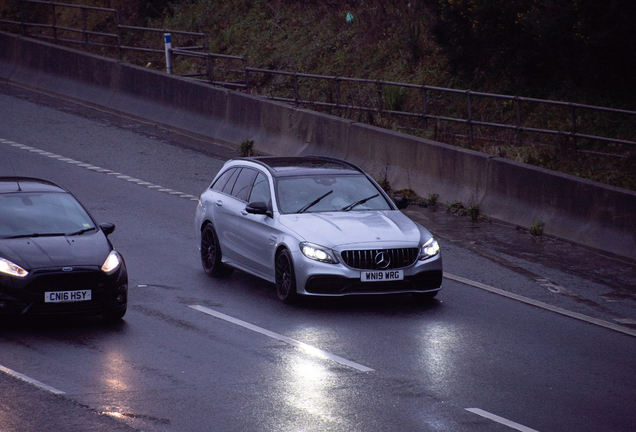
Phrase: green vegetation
(246, 148)
(536, 228)
(458, 209)
(432, 200)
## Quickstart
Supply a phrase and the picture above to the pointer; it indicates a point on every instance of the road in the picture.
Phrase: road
(199, 354)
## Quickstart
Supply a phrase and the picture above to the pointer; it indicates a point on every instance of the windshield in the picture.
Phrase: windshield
(322, 193)
(42, 214)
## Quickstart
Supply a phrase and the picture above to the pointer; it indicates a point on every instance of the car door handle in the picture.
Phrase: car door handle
(244, 212)
(219, 203)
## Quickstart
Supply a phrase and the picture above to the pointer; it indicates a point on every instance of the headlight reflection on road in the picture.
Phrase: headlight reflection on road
(309, 385)
(115, 372)
(438, 346)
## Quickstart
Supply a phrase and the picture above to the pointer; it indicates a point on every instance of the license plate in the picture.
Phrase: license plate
(381, 276)
(67, 296)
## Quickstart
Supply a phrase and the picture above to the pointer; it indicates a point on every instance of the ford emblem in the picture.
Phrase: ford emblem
(67, 269)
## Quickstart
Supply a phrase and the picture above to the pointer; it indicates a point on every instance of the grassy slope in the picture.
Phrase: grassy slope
(386, 40)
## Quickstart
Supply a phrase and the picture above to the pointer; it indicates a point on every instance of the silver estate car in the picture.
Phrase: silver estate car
(314, 226)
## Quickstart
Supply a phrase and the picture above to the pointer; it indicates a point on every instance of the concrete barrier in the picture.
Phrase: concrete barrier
(581, 211)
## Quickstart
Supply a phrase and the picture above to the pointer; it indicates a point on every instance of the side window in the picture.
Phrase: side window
(222, 181)
(260, 191)
(230, 183)
(243, 185)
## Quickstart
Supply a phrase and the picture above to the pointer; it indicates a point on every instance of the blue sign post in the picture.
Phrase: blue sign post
(168, 42)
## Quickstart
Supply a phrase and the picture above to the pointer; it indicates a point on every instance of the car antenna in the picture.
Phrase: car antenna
(15, 175)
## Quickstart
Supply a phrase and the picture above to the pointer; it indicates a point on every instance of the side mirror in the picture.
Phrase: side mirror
(401, 202)
(108, 228)
(258, 208)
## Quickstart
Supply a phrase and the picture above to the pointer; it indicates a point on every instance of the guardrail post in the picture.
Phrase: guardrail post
(119, 50)
(209, 67)
(24, 27)
(54, 26)
(379, 84)
(337, 80)
(84, 27)
(247, 77)
(573, 135)
(296, 94)
(470, 119)
(518, 113)
(424, 107)
(168, 46)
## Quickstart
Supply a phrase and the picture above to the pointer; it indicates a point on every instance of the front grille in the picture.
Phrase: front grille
(366, 259)
(59, 281)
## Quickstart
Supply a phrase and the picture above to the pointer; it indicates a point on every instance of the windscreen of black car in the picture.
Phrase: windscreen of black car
(325, 193)
(41, 214)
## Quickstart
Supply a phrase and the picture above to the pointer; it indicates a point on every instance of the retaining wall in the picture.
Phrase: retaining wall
(581, 211)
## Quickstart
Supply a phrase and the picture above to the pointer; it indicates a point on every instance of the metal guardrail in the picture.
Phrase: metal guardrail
(469, 121)
(87, 34)
(424, 114)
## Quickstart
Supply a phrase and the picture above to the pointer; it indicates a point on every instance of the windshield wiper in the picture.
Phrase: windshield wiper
(35, 235)
(82, 231)
(357, 203)
(313, 203)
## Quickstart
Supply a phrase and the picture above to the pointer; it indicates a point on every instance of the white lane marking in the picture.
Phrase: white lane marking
(100, 170)
(542, 305)
(30, 380)
(501, 420)
(307, 348)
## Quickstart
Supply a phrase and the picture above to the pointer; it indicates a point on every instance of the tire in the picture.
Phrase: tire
(211, 254)
(285, 278)
(424, 297)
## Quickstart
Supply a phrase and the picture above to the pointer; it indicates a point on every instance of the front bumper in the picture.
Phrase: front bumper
(315, 278)
(109, 293)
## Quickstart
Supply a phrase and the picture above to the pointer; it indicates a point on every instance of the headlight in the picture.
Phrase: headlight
(7, 267)
(318, 253)
(429, 249)
(112, 262)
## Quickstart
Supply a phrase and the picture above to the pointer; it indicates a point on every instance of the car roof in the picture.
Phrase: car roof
(28, 184)
(283, 166)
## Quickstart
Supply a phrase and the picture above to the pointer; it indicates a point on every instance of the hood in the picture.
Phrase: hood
(333, 229)
(59, 251)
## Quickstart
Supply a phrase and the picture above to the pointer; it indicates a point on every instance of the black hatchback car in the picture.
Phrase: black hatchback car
(54, 258)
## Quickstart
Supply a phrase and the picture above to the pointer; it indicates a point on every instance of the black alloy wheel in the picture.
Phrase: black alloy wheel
(211, 254)
(285, 278)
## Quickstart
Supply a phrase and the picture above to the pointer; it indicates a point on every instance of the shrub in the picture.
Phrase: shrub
(246, 148)
(536, 228)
